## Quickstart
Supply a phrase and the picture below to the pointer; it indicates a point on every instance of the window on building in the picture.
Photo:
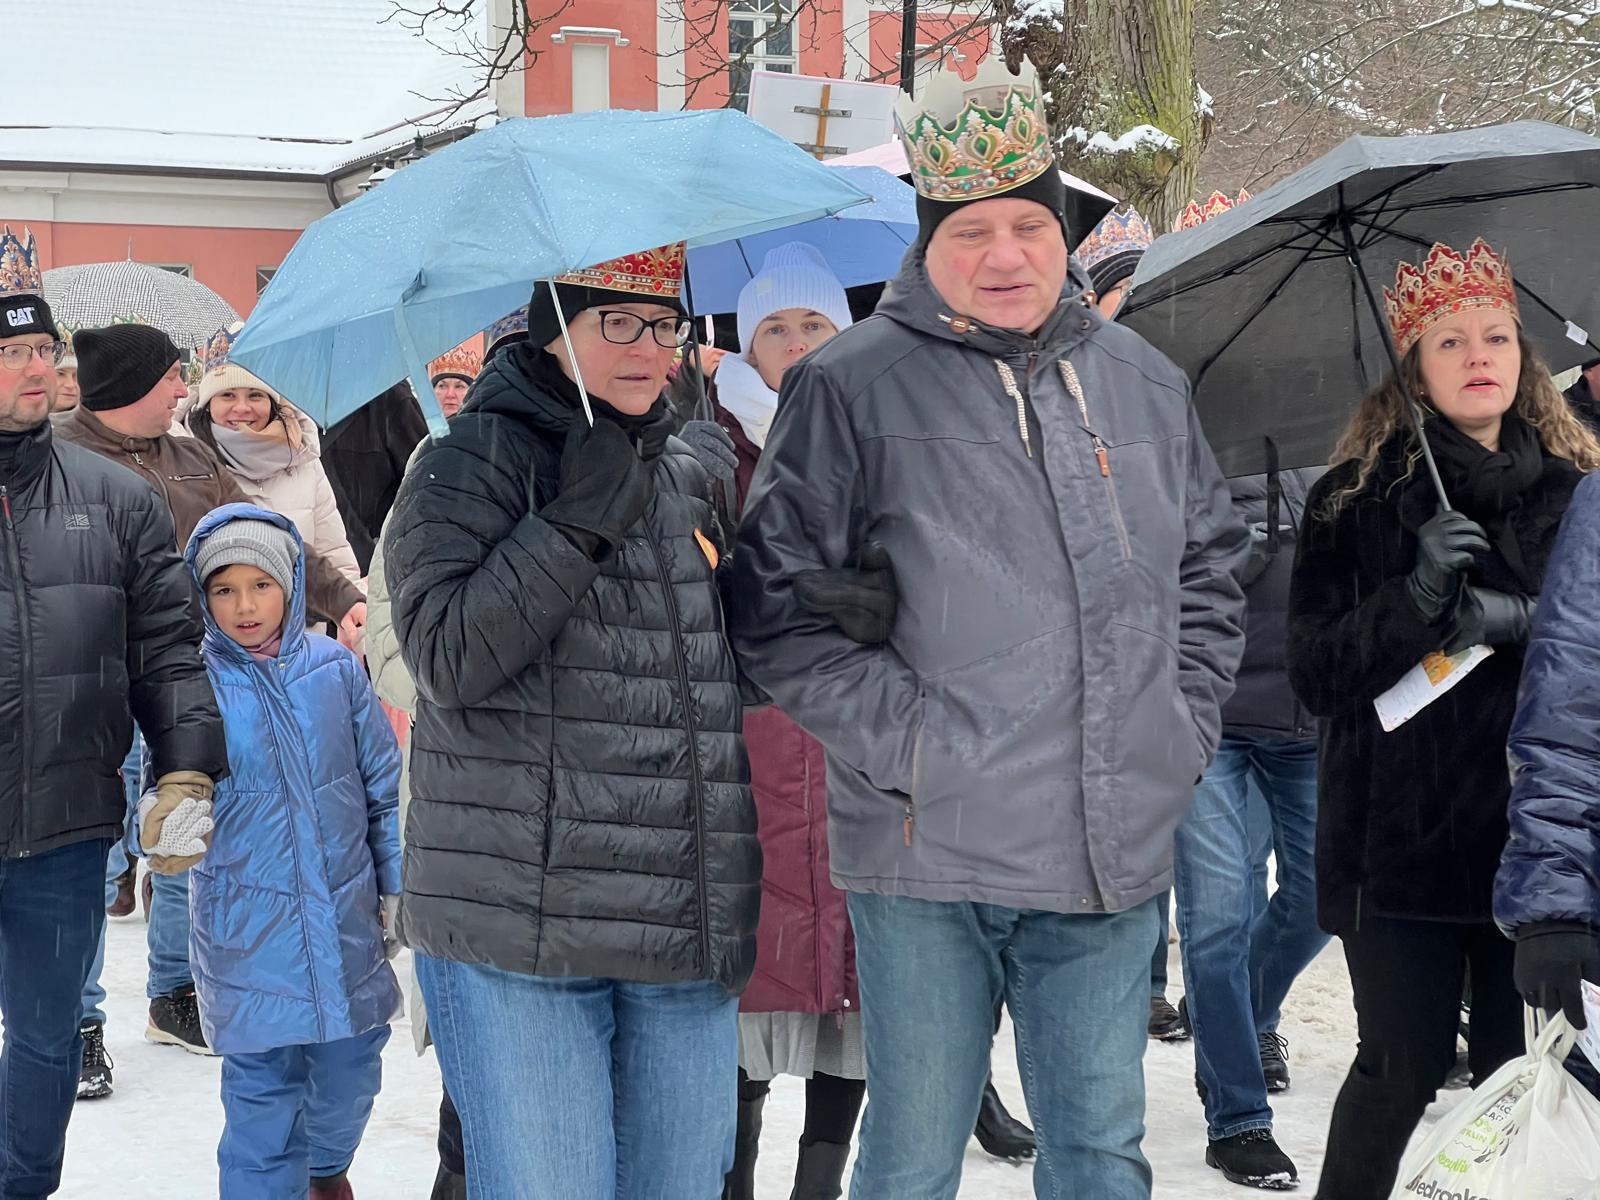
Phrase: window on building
(263, 277)
(760, 38)
(591, 76)
(184, 269)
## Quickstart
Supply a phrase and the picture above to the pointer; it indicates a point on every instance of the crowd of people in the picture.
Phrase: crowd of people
(797, 713)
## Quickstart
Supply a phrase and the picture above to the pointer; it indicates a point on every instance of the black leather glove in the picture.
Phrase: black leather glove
(1446, 547)
(1553, 958)
(605, 488)
(861, 600)
(713, 448)
(1489, 618)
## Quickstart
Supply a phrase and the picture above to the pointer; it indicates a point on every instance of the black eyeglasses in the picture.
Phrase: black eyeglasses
(16, 358)
(625, 328)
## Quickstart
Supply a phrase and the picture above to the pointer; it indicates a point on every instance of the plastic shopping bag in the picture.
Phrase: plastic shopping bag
(1530, 1132)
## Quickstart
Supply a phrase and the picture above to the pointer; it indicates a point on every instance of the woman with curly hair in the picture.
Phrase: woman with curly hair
(1412, 822)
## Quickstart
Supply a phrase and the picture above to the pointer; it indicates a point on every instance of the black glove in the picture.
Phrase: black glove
(1553, 958)
(861, 600)
(605, 488)
(713, 448)
(1489, 618)
(1446, 547)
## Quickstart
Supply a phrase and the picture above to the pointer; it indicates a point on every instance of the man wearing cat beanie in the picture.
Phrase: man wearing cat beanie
(96, 631)
(131, 379)
(987, 560)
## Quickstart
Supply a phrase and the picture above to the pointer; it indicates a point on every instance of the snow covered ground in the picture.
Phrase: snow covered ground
(155, 1139)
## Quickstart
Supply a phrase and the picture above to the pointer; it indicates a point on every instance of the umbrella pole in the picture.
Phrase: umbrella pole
(702, 403)
(1353, 254)
(572, 355)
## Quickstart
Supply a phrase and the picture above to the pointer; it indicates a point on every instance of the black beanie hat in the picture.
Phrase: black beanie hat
(22, 313)
(1045, 188)
(544, 326)
(1107, 273)
(118, 365)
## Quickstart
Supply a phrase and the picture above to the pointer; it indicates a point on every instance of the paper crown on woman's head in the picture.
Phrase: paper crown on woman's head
(648, 273)
(463, 363)
(506, 326)
(1119, 232)
(1198, 212)
(975, 140)
(1445, 284)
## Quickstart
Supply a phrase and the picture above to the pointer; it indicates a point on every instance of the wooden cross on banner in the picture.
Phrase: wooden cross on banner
(820, 148)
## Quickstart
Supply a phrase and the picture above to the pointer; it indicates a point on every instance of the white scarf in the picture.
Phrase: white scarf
(260, 455)
(742, 391)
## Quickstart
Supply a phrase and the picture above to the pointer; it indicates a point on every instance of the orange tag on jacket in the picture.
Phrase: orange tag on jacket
(707, 549)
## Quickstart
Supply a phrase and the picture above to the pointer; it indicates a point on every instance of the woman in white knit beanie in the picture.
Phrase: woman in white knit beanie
(792, 306)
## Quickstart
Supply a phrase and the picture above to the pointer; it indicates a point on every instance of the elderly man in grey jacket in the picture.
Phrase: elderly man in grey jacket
(988, 560)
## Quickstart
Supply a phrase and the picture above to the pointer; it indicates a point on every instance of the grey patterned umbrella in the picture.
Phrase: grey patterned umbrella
(97, 294)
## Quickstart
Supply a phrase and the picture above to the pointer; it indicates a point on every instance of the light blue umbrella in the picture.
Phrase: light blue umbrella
(449, 245)
(863, 244)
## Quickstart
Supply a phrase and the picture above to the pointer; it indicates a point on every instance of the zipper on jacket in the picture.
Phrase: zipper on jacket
(696, 778)
(1102, 455)
(1008, 381)
(19, 833)
(160, 482)
(910, 822)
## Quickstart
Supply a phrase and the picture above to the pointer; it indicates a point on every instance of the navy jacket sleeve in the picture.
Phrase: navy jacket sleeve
(1550, 870)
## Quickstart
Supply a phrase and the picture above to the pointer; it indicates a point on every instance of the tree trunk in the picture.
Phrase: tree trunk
(1111, 66)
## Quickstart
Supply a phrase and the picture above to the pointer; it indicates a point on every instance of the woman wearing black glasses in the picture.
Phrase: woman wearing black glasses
(582, 871)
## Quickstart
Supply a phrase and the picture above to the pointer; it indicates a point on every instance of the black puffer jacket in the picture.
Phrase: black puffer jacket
(580, 799)
(96, 629)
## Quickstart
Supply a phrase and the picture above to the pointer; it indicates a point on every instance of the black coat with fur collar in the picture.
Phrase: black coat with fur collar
(1411, 823)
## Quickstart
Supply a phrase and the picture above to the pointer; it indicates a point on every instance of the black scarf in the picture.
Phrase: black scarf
(648, 431)
(1488, 485)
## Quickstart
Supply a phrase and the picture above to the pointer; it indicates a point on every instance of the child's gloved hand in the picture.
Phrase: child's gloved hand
(175, 822)
(389, 918)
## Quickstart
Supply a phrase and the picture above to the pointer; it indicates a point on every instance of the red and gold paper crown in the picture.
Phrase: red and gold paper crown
(1198, 212)
(19, 265)
(463, 362)
(1447, 283)
(652, 274)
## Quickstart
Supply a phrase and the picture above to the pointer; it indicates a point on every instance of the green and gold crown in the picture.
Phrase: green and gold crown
(972, 140)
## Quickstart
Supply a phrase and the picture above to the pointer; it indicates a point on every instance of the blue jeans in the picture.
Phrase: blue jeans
(118, 860)
(586, 1089)
(51, 914)
(295, 1114)
(1240, 960)
(1078, 989)
(168, 935)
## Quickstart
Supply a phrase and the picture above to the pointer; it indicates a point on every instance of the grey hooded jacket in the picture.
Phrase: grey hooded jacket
(1069, 619)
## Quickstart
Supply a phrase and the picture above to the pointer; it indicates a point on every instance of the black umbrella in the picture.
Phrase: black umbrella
(1275, 308)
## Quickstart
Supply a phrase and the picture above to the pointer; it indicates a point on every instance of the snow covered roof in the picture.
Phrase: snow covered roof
(300, 87)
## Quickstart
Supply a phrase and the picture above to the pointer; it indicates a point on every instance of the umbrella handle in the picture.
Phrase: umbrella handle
(1353, 255)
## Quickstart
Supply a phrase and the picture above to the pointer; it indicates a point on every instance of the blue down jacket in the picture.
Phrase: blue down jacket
(287, 949)
(1550, 870)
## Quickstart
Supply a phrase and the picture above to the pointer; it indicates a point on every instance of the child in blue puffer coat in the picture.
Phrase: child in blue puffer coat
(291, 902)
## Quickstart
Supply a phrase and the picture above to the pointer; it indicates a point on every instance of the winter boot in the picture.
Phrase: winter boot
(332, 1187)
(447, 1185)
(999, 1133)
(175, 1021)
(94, 1079)
(122, 906)
(1275, 1061)
(819, 1175)
(1167, 1024)
(740, 1183)
(1252, 1158)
